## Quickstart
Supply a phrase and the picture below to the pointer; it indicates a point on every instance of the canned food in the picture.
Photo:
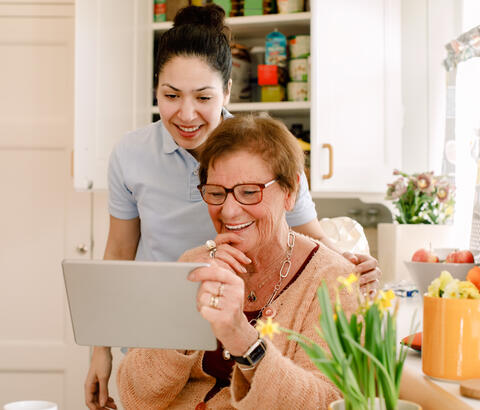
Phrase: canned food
(299, 46)
(298, 69)
(297, 91)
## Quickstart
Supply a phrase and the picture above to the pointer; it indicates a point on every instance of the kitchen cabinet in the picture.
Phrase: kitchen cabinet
(354, 111)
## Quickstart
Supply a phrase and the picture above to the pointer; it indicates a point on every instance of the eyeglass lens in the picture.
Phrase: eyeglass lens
(245, 194)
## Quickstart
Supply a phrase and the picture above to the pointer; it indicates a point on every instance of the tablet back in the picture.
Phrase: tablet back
(135, 304)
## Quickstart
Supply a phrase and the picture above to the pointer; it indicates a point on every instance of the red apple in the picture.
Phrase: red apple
(423, 255)
(460, 257)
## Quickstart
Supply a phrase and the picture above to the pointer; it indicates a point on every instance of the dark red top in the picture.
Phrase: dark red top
(213, 362)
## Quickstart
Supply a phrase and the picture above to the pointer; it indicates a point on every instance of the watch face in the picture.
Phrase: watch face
(257, 353)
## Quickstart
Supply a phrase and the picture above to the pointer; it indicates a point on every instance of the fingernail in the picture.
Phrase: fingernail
(244, 270)
(248, 260)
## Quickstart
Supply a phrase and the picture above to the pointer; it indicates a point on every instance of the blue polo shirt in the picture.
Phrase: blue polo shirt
(153, 178)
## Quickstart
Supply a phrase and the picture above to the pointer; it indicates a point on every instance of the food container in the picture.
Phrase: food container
(241, 91)
(299, 46)
(298, 69)
(276, 49)
(297, 91)
(451, 338)
(273, 93)
(290, 6)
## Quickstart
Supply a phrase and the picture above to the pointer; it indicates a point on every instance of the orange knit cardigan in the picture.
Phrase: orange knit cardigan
(284, 379)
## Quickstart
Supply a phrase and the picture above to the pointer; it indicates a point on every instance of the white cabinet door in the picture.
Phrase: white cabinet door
(42, 218)
(356, 101)
(111, 81)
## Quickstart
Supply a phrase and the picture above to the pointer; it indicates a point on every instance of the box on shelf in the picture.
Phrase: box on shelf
(273, 93)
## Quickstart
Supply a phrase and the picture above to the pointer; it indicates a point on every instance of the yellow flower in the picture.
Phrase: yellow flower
(384, 299)
(468, 290)
(445, 279)
(452, 290)
(347, 282)
(268, 328)
(434, 288)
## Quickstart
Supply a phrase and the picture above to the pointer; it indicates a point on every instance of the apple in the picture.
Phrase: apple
(424, 255)
(460, 257)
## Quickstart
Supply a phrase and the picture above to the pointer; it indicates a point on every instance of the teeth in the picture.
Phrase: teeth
(237, 227)
(192, 129)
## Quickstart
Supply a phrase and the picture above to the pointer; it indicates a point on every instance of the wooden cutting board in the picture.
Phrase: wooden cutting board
(470, 388)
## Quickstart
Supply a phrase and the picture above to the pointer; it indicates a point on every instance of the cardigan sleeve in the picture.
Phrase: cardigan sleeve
(152, 378)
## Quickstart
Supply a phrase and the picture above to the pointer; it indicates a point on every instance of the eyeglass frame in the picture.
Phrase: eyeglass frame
(232, 191)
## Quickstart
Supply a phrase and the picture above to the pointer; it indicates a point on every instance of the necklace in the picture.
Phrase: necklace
(287, 263)
(284, 271)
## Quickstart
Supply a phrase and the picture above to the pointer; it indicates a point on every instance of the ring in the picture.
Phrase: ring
(220, 289)
(210, 245)
(212, 253)
(213, 301)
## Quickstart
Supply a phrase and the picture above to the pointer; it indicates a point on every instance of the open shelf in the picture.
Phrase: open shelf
(284, 108)
(259, 26)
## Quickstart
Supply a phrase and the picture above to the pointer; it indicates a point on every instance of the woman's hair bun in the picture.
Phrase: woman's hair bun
(210, 15)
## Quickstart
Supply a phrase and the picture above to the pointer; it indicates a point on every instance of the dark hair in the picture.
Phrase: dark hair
(261, 135)
(197, 32)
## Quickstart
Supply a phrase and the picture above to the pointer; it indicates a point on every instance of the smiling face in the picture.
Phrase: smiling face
(190, 98)
(257, 224)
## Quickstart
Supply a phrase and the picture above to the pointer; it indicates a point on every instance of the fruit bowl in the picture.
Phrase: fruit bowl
(423, 273)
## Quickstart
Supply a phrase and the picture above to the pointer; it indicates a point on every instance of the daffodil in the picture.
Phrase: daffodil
(268, 328)
(452, 290)
(347, 282)
(384, 299)
(468, 290)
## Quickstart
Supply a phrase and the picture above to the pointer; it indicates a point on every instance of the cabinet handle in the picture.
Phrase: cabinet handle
(330, 161)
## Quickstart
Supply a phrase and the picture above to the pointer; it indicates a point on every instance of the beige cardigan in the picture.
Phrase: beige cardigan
(284, 379)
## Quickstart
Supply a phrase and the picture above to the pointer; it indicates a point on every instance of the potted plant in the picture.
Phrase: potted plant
(423, 206)
(363, 360)
(451, 341)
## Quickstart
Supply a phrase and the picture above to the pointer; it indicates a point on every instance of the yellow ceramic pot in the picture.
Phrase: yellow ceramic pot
(451, 338)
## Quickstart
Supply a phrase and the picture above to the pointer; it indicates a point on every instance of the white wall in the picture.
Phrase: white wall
(427, 25)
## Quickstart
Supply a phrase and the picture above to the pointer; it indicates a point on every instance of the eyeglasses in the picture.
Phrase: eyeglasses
(246, 194)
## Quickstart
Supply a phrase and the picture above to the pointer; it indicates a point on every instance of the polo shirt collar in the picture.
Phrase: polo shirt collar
(169, 144)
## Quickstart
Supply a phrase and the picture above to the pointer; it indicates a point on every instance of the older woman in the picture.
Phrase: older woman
(249, 173)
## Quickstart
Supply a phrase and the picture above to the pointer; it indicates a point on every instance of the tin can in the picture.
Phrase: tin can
(159, 10)
(299, 46)
(298, 69)
(297, 91)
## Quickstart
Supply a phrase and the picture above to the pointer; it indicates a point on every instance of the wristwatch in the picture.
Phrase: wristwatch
(253, 355)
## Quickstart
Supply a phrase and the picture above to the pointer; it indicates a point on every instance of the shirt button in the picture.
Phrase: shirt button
(195, 171)
(201, 406)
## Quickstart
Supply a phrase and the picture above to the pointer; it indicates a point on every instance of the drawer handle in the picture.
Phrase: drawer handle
(330, 161)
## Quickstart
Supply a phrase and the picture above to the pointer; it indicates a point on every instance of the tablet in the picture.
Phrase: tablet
(135, 304)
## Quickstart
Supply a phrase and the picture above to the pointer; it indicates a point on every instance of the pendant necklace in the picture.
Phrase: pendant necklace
(287, 263)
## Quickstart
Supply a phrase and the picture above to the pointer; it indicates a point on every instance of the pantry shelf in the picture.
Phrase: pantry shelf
(284, 108)
(259, 26)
